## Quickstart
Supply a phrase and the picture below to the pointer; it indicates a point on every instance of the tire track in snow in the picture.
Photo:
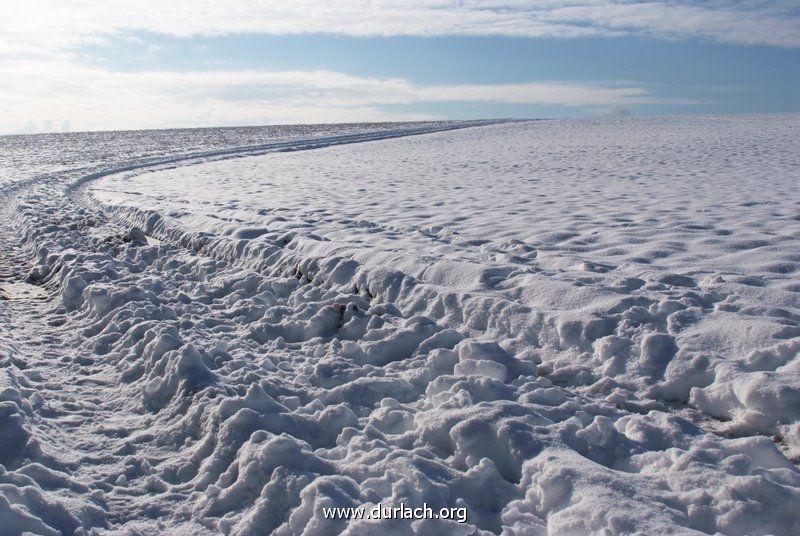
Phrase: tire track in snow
(79, 426)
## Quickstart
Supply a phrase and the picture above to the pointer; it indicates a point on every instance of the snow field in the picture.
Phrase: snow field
(565, 327)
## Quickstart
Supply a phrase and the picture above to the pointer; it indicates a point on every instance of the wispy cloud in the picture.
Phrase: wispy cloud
(90, 98)
(51, 26)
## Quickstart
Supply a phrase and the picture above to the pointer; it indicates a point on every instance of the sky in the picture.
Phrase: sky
(115, 65)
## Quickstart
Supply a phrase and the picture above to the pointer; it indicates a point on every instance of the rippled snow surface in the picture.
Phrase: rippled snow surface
(566, 327)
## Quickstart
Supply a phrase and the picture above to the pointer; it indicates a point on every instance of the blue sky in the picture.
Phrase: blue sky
(176, 64)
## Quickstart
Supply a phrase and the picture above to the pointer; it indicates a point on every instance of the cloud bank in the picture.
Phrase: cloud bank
(46, 83)
(45, 26)
(46, 93)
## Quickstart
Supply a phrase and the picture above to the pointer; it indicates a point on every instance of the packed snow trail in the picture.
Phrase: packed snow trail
(234, 345)
(76, 421)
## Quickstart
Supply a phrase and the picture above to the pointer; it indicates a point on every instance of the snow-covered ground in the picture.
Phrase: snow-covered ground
(563, 327)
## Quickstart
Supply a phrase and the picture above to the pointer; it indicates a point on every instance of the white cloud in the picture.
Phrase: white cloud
(50, 26)
(44, 83)
(92, 98)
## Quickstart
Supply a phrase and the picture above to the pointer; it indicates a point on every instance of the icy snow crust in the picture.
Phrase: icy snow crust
(567, 327)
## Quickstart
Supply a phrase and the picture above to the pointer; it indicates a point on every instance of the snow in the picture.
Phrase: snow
(566, 327)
